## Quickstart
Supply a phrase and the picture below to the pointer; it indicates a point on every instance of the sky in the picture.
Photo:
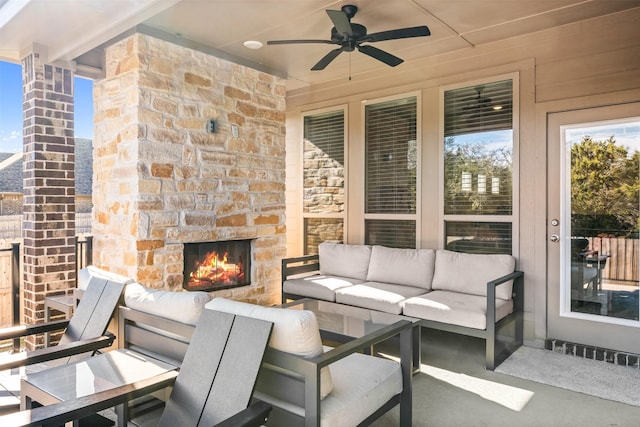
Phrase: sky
(11, 108)
(624, 132)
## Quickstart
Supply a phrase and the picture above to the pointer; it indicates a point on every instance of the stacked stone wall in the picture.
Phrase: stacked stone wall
(161, 179)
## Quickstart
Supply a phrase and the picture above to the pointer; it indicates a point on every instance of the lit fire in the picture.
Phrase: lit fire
(217, 270)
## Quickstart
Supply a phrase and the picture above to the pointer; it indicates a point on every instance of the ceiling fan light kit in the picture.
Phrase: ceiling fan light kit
(350, 36)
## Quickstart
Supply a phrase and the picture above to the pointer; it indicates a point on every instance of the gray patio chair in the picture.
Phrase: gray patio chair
(84, 334)
(214, 386)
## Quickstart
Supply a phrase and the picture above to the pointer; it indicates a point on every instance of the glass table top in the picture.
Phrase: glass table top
(345, 320)
(99, 373)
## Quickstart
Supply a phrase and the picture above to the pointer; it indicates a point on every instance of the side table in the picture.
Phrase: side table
(107, 371)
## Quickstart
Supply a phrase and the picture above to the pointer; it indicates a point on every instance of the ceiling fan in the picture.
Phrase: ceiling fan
(479, 101)
(350, 36)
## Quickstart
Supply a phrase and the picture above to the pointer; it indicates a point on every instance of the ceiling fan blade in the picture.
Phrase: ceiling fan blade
(340, 21)
(380, 55)
(400, 33)
(321, 65)
(300, 41)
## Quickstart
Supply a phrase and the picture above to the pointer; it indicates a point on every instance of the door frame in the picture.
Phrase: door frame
(575, 327)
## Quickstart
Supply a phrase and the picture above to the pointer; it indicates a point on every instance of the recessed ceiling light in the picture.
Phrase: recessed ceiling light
(253, 44)
(497, 107)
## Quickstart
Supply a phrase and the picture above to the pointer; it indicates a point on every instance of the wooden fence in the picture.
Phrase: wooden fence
(622, 263)
(6, 301)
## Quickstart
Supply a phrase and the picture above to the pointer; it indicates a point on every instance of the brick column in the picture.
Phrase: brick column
(49, 185)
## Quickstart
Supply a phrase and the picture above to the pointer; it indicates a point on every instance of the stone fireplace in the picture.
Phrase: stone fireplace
(163, 182)
(211, 266)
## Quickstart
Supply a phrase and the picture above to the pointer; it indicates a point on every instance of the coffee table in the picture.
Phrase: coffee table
(342, 323)
(103, 372)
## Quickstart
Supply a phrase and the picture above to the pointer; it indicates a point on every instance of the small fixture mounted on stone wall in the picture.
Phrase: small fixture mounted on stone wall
(212, 126)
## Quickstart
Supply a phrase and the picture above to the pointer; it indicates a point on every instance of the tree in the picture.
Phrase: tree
(470, 170)
(604, 188)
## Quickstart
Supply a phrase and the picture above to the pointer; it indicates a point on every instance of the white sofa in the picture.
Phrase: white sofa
(472, 294)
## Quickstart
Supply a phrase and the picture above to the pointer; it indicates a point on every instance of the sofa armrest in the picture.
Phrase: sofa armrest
(299, 265)
(517, 294)
(304, 265)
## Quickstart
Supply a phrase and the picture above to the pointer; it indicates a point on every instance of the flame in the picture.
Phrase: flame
(217, 270)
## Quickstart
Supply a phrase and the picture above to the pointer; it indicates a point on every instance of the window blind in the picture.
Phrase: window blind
(487, 107)
(391, 157)
(392, 233)
(479, 237)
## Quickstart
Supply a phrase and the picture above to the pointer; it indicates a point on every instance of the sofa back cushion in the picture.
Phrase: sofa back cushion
(85, 275)
(294, 331)
(411, 267)
(184, 307)
(469, 273)
(337, 259)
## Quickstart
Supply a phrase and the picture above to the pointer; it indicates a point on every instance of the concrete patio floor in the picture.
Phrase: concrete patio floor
(458, 391)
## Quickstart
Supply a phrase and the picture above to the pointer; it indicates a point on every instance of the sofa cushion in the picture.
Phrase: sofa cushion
(411, 267)
(342, 260)
(319, 286)
(455, 308)
(361, 385)
(469, 273)
(385, 297)
(294, 331)
(184, 307)
(85, 275)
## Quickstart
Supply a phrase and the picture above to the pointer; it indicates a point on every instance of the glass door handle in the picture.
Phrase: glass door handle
(554, 238)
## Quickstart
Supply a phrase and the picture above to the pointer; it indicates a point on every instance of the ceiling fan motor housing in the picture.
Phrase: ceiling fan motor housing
(357, 32)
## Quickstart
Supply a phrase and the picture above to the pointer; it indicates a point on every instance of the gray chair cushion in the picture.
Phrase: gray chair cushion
(361, 385)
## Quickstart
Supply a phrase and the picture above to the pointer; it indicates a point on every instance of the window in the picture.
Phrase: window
(324, 176)
(478, 168)
(390, 172)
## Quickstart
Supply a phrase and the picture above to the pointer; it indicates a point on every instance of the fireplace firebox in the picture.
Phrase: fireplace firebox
(210, 266)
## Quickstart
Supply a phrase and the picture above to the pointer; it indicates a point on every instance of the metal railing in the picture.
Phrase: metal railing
(11, 225)
(84, 258)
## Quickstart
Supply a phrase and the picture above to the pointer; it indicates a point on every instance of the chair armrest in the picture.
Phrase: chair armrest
(74, 409)
(362, 343)
(25, 330)
(302, 365)
(254, 416)
(306, 371)
(56, 352)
